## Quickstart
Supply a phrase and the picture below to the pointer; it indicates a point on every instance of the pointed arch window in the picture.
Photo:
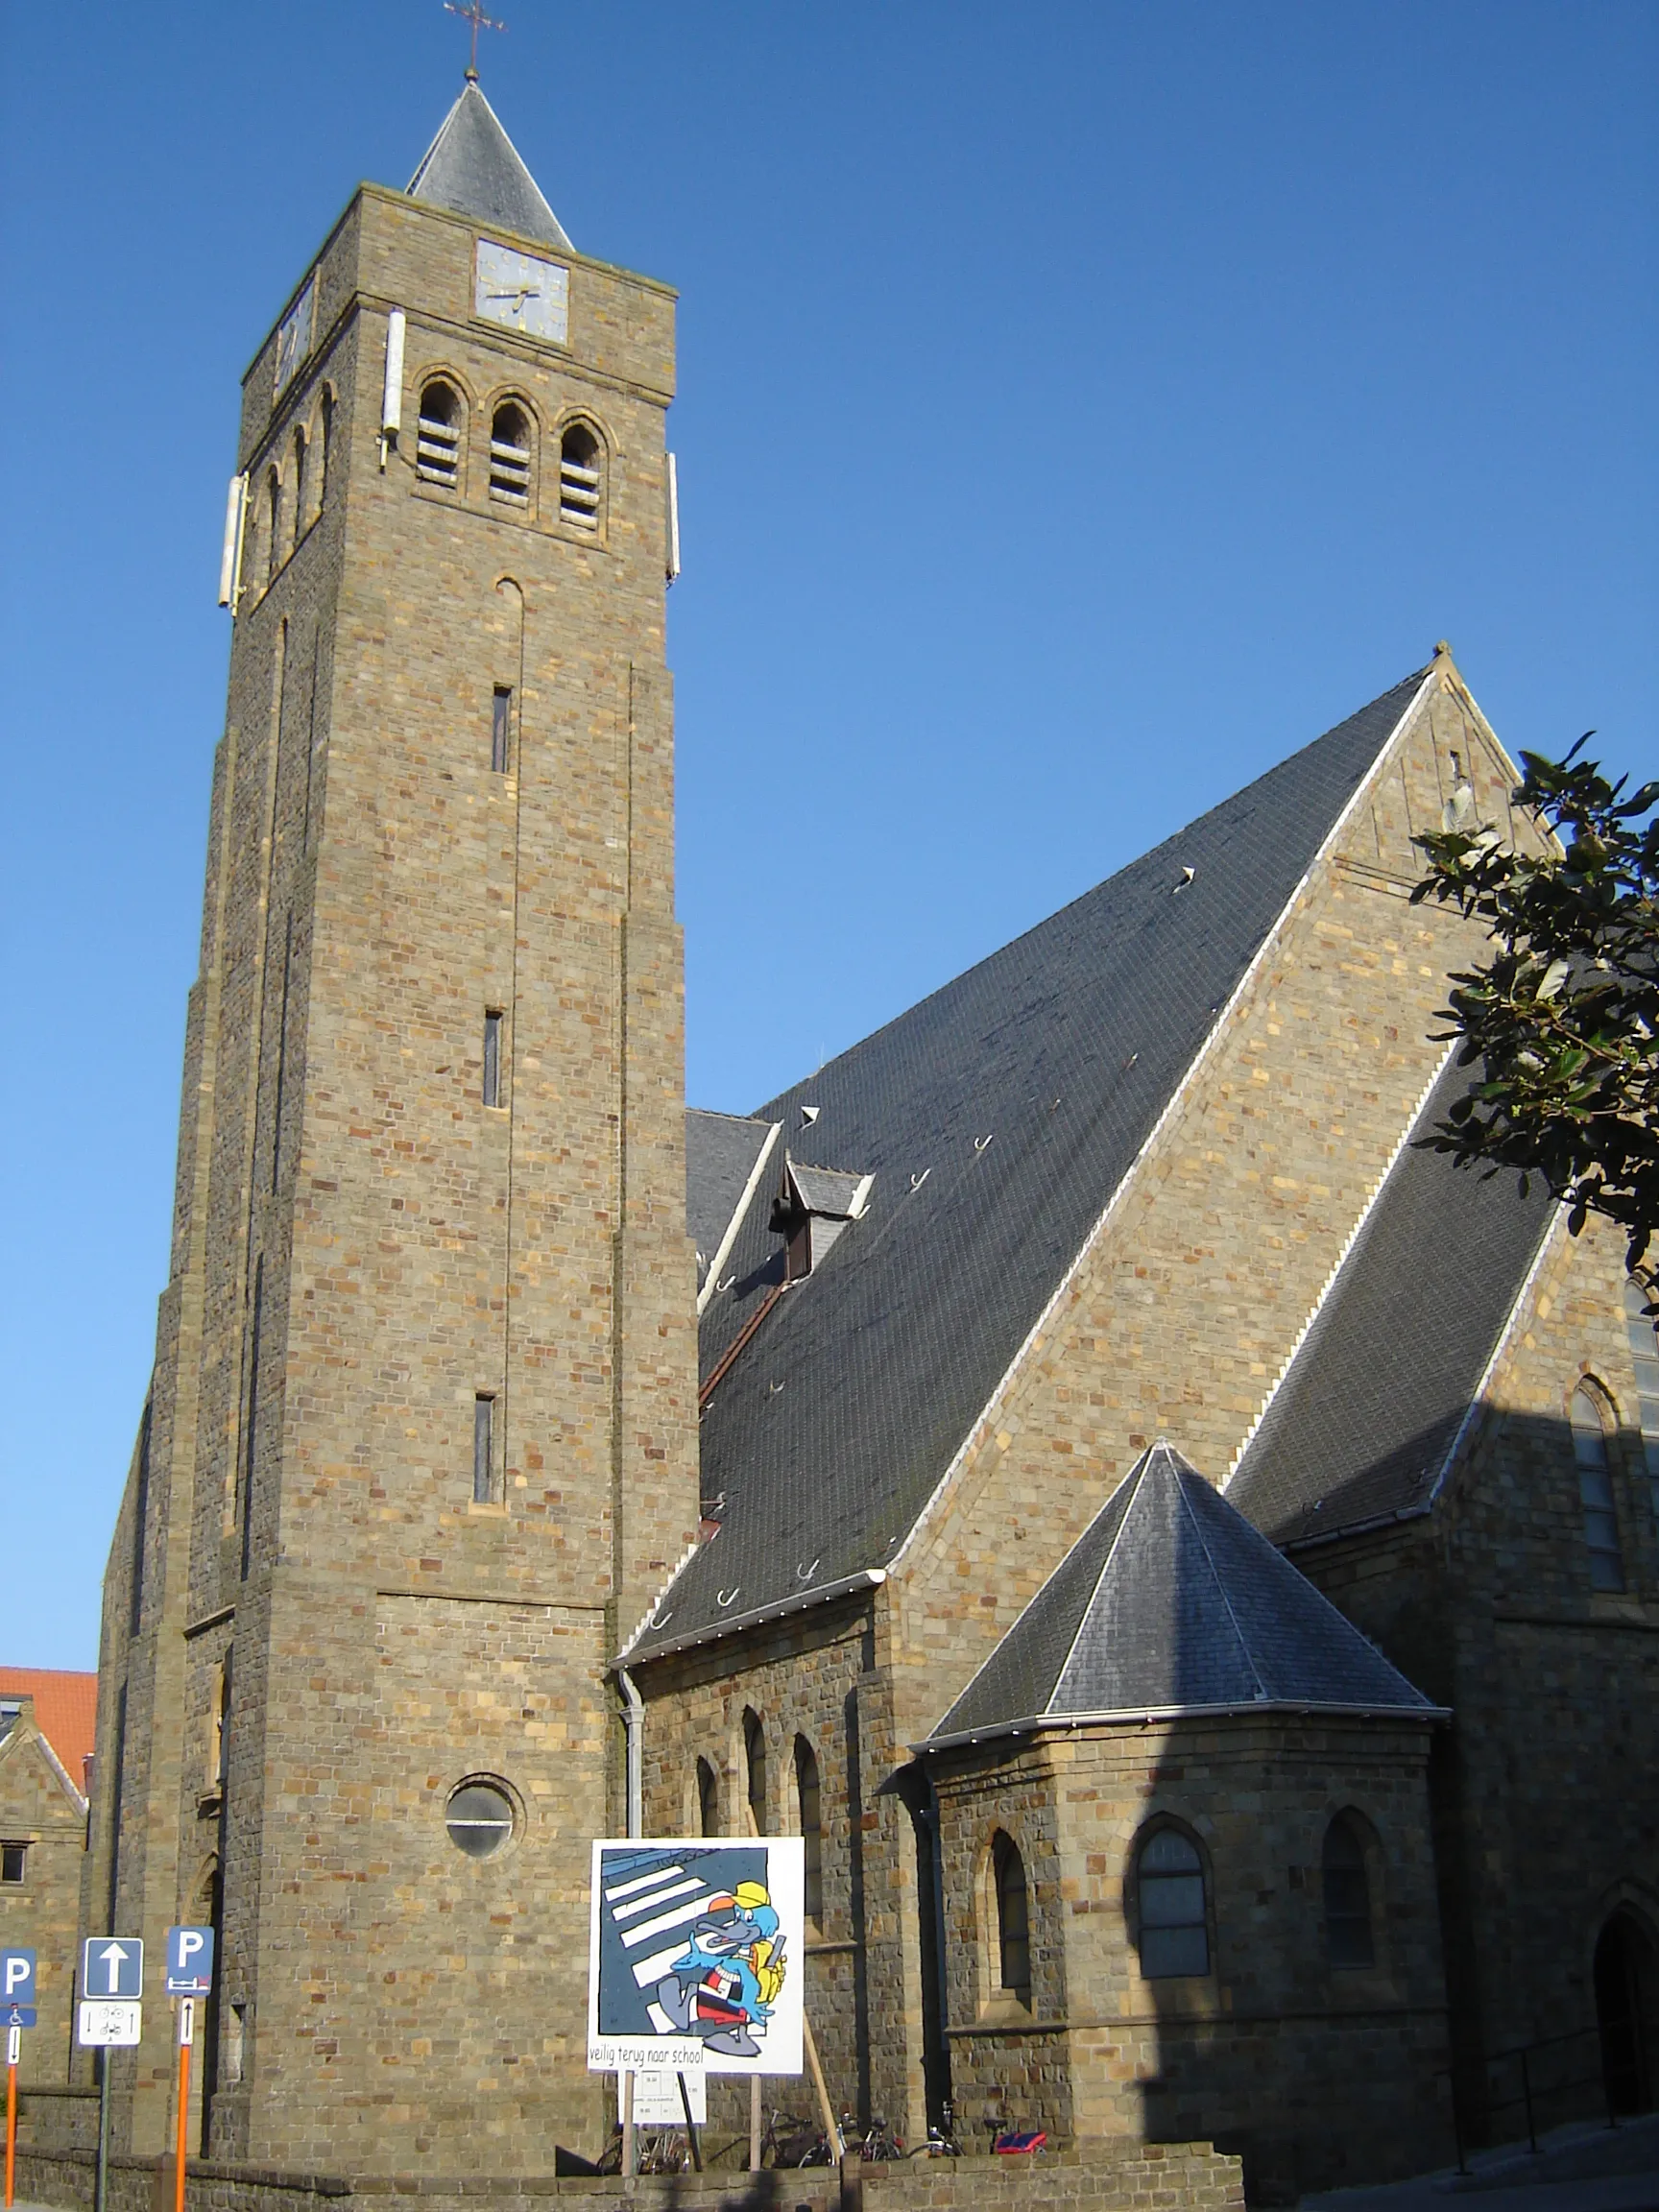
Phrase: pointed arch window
(302, 487)
(324, 441)
(809, 1800)
(1348, 1940)
(273, 523)
(1172, 1906)
(437, 435)
(755, 1761)
(1013, 1919)
(1645, 1355)
(509, 455)
(707, 1800)
(1596, 1490)
(581, 476)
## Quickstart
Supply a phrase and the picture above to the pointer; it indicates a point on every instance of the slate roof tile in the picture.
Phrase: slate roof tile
(1171, 1603)
(474, 168)
(996, 1117)
(1371, 1405)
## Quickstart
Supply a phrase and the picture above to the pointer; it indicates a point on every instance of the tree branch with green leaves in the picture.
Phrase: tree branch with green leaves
(1564, 1016)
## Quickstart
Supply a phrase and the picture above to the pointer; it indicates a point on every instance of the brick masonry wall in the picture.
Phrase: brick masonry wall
(40, 1913)
(1315, 2076)
(1546, 1800)
(1180, 1318)
(362, 1245)
(1162, 2178)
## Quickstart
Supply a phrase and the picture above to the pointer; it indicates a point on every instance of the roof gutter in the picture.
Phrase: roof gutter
(867, 1579)
(1058, 1724)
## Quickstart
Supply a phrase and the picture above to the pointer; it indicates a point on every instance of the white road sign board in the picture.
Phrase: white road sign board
(109, 2022)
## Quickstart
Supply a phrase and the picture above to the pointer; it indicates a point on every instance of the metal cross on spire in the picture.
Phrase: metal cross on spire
(474, 13)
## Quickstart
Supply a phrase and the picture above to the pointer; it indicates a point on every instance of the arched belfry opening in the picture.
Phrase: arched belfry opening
(1627, 1976)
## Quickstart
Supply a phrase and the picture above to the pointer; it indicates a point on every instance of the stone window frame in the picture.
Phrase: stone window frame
(428, 374)
(704, 1792)
(22, 1846)
(755, 1743)
(583, 417)
(485, 1779)
(1361, 1823)
(1588, 1385)
(490, 407)
(812, 1853)
(996, 2002)
(1154, 1823)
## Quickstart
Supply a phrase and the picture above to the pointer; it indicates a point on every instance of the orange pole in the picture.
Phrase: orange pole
(183, 2105)
(11, 2130)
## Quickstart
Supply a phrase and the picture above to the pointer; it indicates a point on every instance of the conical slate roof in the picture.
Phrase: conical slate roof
(474, 168)
(1170, 1602)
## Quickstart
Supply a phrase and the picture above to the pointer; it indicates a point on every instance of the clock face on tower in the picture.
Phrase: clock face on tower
(522, 292)
(294, 335)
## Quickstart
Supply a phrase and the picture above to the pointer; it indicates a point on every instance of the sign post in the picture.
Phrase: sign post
(112, 1984)
(17, 2012)
(189, 1976)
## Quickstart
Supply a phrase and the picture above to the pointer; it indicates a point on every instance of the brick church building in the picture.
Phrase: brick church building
(1186, 1559)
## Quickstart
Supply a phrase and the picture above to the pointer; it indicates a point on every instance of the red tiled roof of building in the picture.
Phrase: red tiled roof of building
(66, 1712)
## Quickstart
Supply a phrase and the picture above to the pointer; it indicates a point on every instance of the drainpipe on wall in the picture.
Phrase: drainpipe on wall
(633, 1719)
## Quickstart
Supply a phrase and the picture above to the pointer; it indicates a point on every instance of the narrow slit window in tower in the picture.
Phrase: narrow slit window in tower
(491, 1059)
(484, 1448)
(500, 727)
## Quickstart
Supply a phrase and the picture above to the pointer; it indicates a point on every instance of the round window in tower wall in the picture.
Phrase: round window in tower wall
(479, 1817)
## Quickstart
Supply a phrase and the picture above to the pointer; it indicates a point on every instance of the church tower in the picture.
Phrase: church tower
(420, 1444)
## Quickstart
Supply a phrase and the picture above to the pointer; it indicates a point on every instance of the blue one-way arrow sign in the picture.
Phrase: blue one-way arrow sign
(113, 1966)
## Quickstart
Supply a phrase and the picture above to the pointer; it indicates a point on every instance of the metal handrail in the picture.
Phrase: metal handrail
(1530, 2091)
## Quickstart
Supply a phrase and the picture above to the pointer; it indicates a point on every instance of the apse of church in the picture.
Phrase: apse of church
(1159, 1534)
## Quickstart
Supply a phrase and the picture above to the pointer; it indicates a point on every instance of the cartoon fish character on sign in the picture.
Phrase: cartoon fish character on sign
(724, 1985)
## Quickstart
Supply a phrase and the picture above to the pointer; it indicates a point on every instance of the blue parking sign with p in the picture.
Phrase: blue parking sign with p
(189, 1961)
(16, 1989)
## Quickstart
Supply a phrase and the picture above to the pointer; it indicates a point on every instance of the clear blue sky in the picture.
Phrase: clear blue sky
(1084, 406)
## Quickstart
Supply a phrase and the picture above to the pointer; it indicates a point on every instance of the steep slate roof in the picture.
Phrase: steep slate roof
(721, 1152)
(996, 1117)
(1370, 1407)
(1170, 1602)
(474, 168)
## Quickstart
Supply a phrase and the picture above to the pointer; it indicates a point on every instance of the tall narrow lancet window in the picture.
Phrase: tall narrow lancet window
(491, 1059)
(438, 436)
(1013, 1919)
(301, 487)
(1348, 1937)
(484, 1448)
(325, 441)
(806, 1793)
(273, 523)
(1596, 1490)
(755, 1761)
(707, 1800)
(579, 477)
(1172, 1906)
(1644, 1353)
(509, 455)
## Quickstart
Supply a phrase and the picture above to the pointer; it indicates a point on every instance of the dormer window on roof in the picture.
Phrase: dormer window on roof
(814, 1208)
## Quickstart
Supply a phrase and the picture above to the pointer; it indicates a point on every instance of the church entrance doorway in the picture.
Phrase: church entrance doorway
(1628, 2011)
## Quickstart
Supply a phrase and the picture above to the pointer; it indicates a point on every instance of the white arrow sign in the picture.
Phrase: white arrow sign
(112, 1958)
(113, 1966)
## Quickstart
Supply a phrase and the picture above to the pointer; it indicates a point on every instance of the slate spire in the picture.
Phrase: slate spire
(474, 168)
